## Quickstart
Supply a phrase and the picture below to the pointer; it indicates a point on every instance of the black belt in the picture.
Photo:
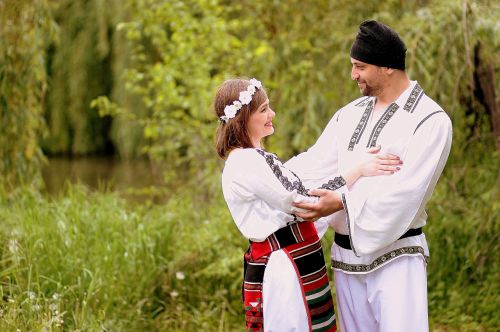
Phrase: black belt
(344, 241)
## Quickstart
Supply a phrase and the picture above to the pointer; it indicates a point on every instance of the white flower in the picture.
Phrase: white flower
(174, 294)
(12, 244)
(256, 83)
(180, 275)
(237, 104)
(55, 296)
(31, 295)
(230, 111)
(251, 89)
(245, 97)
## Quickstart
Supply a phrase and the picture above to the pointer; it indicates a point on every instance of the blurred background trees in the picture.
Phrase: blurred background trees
(150, 68)
(26, 29)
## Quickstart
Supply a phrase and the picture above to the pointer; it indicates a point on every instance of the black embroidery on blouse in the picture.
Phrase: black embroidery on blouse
(334, 184)
(361, 126)
(428, 116)
(289, 185)
(389, 112)
(414, 98)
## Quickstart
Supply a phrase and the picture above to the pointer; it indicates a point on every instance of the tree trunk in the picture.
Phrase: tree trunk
(486, 92)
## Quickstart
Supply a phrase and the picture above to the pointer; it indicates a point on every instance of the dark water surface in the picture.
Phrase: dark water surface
(101, 172)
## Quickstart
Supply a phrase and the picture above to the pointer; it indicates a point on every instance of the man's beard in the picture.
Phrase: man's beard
(368, 90)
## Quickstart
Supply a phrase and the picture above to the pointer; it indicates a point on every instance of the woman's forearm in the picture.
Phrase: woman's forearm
(352, 176)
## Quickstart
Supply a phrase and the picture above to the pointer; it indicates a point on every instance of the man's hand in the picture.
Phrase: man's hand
(329, 202)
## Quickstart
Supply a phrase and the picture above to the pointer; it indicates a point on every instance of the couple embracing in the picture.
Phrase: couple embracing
(368, 176)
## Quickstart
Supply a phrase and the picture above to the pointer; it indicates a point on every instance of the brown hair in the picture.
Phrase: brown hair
(233, 133)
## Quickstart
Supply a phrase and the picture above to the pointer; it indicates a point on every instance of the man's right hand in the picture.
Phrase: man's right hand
(328, 203)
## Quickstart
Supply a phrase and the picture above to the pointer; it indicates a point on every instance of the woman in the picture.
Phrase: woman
(285, 280)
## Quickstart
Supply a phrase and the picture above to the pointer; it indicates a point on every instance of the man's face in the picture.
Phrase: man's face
(370, 78)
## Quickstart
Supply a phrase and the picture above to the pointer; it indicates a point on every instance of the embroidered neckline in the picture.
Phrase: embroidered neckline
(410, 106)
(360, 128)
(377, 129)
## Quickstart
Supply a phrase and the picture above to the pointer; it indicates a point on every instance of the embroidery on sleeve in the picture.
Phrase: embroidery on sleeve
(289, 185)
(334, 184)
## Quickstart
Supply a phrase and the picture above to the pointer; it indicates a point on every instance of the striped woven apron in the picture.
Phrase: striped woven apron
(301, 244)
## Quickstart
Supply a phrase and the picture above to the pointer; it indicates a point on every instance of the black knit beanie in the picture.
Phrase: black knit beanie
(379, 45)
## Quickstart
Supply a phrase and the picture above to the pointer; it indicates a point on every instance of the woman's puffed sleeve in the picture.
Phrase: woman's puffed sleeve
(253, 178)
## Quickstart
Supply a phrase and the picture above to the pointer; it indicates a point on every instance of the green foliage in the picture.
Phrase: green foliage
(178, 50)
(92, 261)
(117, 267)
(25, 26)
(89, 262)
(300, 51)
(464, 235)
(80, 69)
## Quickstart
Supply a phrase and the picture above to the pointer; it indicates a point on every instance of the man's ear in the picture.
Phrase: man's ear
(389, 71)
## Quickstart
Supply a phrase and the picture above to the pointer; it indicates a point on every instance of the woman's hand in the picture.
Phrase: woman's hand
(379, 164)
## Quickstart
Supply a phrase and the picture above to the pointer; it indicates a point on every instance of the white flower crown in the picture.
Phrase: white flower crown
(244, 99)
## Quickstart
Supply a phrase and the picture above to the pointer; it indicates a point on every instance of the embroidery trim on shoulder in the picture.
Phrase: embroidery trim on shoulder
(381, 260)
(361, 126)
(413, 99)
(427, 117)
(272, 160)
(362, 102)
(389, 112)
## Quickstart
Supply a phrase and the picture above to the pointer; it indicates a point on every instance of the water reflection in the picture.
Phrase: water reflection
(101, 172)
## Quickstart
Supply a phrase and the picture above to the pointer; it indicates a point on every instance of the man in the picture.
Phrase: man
(380, 253)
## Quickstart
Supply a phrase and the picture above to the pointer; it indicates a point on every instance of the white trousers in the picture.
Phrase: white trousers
(282, 300)
(390, 299)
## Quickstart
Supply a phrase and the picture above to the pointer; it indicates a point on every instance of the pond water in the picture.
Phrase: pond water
(101, 172)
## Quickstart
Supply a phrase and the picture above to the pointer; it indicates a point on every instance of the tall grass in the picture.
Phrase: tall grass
(464, 239)
(90, 261)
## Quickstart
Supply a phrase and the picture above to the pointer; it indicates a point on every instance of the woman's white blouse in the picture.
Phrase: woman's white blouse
(259, 192)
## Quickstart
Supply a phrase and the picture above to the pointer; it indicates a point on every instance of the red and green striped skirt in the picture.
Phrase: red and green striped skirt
(301, 244)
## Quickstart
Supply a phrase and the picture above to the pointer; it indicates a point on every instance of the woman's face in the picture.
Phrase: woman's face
(260, 123)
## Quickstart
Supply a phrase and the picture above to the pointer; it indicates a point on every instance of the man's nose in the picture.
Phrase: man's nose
(354, 74)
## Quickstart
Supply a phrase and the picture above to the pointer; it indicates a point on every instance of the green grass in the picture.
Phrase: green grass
(92, 261)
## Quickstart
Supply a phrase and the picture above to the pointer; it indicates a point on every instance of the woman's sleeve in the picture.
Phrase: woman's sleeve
(255, 179)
